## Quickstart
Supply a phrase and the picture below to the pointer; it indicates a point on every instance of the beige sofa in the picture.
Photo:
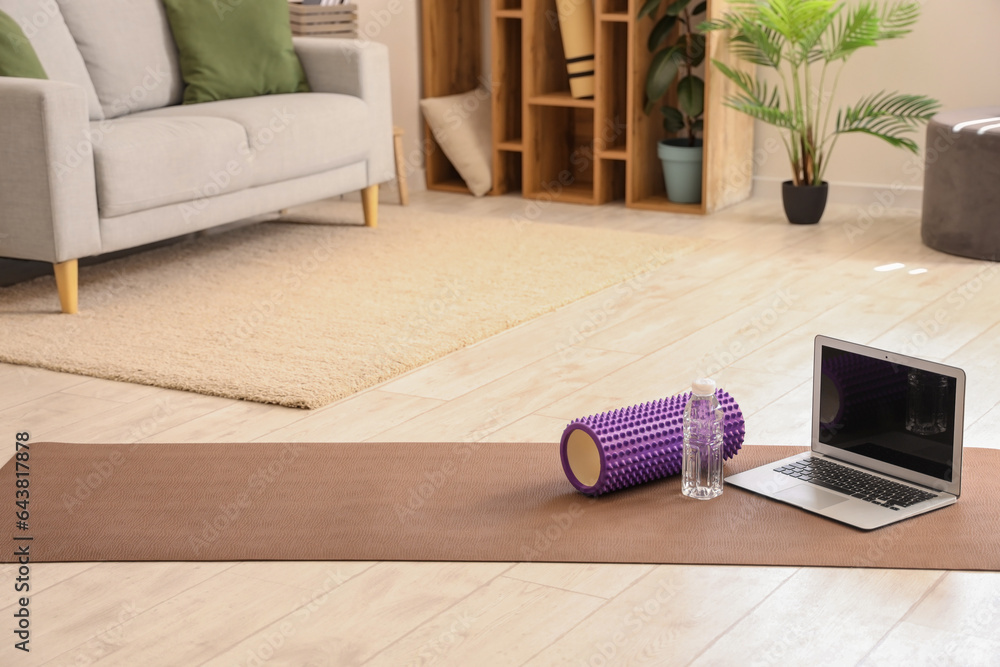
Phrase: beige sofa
(103, 157)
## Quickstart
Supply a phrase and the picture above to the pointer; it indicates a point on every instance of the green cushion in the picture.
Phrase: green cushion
(234, 48)
(17, 57)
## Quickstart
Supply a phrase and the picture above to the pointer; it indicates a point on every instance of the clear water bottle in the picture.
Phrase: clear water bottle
(703, 429)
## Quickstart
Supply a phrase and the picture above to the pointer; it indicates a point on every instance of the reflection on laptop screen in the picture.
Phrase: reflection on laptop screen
(896, 414)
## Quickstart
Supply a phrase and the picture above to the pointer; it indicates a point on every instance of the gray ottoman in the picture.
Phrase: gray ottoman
(961, 212)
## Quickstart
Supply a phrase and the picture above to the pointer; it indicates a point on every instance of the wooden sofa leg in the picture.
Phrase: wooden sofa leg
(66, 283)
(369, 201)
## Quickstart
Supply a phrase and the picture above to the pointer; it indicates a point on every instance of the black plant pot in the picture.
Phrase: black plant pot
(804, 204)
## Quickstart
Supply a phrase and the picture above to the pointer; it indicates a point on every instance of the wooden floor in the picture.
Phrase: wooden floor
(744, 309)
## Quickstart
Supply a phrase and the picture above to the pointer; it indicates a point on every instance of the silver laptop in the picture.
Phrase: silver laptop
(886, 439)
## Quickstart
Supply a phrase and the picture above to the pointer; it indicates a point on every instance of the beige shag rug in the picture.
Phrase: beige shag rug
(302, 314)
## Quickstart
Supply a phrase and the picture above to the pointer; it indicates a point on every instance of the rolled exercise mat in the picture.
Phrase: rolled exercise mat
(576, 22)
(630, 446)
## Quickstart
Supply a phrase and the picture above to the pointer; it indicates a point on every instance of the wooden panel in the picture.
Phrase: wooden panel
(728, 168)
(452, 64)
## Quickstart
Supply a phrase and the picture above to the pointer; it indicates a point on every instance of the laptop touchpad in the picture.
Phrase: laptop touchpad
(809, 497)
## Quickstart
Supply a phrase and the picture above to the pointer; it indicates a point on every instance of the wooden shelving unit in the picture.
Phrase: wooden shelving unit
(587, 151)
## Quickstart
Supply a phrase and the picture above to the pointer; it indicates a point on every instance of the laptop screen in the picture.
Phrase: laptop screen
(897, 414)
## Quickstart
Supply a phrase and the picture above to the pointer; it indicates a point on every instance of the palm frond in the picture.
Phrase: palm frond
(758, 44)
(794, 19)
(888, 116)
(898, 19)
(858, 28)
(756, 94)
(770, 115)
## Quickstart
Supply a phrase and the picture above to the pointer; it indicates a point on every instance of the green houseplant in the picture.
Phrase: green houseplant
(674, 60)
(806, 43)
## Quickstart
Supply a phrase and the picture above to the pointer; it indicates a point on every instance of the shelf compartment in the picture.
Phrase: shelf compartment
(562, 145)
(574, 193)
(615, 7)
(544, 53)
(507, 171)
(612, 110)
(610, 180)
(452, 64)
(613, 154)
(509, 14)
(452, 184)
(507, 70)
(508, 99)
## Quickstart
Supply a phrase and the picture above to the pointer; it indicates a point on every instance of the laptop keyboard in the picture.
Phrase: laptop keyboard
(855, 483)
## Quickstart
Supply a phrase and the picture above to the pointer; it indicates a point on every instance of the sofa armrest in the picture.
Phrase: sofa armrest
(358, 68)
(47, 189)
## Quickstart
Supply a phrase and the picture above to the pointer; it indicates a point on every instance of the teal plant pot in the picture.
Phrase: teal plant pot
(681, 169)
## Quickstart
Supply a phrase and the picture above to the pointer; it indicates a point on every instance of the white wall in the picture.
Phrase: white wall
(396, 23)
(952, 55)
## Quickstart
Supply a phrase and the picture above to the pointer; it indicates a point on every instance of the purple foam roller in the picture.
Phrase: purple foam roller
(630, 446)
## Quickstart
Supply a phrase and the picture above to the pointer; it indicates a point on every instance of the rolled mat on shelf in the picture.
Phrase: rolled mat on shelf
(618, 449)
(576, 23)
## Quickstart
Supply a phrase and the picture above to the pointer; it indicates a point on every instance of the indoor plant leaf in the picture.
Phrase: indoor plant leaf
(649, 9)
(696, 51)
(888, 116)
(661, 31)
(673, 119)
(678, 7)
(897, 19)
(662, 72)
(691, 95)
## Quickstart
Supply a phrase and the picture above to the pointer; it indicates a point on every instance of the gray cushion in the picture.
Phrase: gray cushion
(129, 51)
(142, 163)
(292, 135)
(43, 25)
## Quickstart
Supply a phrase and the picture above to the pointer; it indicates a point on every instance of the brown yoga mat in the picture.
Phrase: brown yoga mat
(475, 502)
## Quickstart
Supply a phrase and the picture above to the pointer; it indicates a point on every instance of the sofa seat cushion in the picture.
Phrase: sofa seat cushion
(129, 52)
(290, 135)
(143, 163)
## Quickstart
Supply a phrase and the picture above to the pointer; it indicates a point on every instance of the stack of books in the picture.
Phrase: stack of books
(323, 18)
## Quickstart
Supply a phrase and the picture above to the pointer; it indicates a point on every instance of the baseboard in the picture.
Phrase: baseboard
(855, 194)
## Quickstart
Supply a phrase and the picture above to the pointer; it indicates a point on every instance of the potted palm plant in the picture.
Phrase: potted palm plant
(806, 42)
(674, 60)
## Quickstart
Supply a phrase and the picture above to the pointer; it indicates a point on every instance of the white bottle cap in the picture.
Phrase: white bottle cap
(703, 387)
